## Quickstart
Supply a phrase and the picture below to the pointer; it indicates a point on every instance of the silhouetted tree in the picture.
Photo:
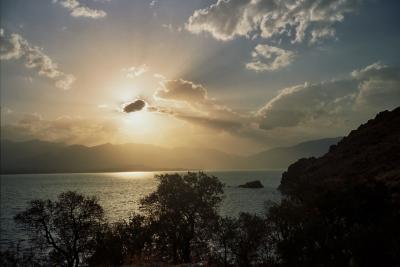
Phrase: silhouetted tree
(224, 235)
(65, 229)
(347, 223)
(181, 213)
(16, 255)
(250, 234)
(122, 243)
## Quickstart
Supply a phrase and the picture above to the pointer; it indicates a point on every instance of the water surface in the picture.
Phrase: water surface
(119, 193)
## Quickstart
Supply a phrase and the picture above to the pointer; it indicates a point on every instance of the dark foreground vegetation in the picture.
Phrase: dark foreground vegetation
(342, 209)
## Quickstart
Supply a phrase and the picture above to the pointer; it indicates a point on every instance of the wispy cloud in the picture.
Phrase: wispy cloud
(153, 3)
(15, 47)
(133, 71)
(269, 58)
(77, 9)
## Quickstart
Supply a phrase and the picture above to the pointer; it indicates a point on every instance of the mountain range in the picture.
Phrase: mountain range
(37, 156)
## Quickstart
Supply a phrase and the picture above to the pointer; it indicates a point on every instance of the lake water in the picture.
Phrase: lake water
(119, 193)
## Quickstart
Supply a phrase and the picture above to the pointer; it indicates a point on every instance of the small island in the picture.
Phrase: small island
(252, 184)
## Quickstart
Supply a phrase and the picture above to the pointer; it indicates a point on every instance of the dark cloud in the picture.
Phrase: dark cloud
(136, 105)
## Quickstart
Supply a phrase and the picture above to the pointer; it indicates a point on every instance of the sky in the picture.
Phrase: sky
(240, 76)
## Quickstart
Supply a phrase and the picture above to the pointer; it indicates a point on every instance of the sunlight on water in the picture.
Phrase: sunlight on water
(133, 175)
(120, 193)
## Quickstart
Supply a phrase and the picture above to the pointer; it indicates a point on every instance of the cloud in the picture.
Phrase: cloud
(296, 113)
(227, 19)
(367, 91)
(297, 21)
(171, 27)
(78, 10)
(181, 90)
(133, 72)
(136, 105)
(159, 76)
(198, 108)
(269, 58)
(224, 20)
(66, 129)
(15, 47)
(153, 3)
(379, 85)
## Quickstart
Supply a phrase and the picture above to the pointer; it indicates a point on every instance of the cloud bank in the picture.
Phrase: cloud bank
(197, 107)
(368, 90)
(65, 129)
(15, 47)
(304, 111)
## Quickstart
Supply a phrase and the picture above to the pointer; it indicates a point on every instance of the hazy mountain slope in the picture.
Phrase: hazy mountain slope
(54, 157)
(12, 153)
(37, 156)
(371, 152)
(281, 157)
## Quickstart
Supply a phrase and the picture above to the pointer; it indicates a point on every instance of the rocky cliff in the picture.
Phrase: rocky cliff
(371, 152)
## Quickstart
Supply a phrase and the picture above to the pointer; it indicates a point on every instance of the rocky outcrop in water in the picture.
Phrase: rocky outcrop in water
(252, 184)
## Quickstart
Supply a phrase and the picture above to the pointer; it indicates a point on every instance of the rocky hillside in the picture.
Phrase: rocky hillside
(371, 152)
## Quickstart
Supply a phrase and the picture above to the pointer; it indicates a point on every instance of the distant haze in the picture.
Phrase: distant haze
(39, 156)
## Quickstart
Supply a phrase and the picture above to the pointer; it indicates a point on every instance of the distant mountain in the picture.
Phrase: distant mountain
(45, 157)
(281, 157)
(369, 153)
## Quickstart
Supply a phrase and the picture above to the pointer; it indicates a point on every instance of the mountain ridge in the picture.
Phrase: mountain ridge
(28, 157)
(370, 152)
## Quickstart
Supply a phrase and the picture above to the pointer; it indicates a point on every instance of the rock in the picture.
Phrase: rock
(252, 184)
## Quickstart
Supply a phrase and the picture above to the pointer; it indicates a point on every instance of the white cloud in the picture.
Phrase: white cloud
(78, 10)
(171, 28)
(153, 3)
(296, 20)
(227, 19)
(379, 85)
(159, 76)
(133, 72)
(269, 58)
(224, 19)
(182, 90)
(14, 46)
